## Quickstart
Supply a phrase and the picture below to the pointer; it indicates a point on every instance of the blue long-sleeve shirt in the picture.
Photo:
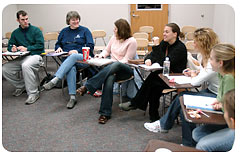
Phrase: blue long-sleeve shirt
(75, 39)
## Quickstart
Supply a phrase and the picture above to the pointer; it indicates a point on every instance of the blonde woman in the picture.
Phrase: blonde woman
(209, 136)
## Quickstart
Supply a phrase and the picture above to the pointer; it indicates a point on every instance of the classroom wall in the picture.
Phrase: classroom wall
(102, 16)
(224, 23)
(199, 15)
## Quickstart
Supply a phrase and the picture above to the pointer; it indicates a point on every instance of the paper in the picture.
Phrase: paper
(18, 53)
(99, 61)
(154, 66)
(56, 54)
(199, 102)
(180, 79)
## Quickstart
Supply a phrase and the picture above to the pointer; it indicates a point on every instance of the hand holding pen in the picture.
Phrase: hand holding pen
(14, 48)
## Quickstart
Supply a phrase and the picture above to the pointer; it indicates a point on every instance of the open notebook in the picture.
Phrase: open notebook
(200, 102)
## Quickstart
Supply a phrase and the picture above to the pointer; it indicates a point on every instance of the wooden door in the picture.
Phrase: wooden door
(157, 18)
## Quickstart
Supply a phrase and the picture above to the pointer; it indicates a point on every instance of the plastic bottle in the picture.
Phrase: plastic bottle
(166, 67)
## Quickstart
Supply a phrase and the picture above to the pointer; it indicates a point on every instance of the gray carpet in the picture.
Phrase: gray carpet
(48, 125)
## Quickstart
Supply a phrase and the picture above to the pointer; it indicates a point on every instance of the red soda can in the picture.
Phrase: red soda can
(85, 51)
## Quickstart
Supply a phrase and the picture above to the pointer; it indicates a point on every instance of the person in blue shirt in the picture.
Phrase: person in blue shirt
(71, 39)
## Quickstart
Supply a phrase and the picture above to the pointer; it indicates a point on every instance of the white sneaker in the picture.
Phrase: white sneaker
(155, 127)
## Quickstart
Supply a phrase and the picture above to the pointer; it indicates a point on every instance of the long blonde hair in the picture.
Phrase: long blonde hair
(226, 53)
(206, 38)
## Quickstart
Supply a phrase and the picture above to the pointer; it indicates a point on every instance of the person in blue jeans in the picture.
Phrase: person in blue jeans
(121, 47)
(204, 39)
(215, 137)
(71, 39)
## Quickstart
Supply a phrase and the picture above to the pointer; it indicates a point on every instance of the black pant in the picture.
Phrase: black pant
(150, 92)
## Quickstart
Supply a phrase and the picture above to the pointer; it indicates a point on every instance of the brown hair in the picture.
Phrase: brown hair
(206, 38)
(225, 53)
(21, 12)
(229, 103)
(123, 29)
(175, 28)
(72, 14)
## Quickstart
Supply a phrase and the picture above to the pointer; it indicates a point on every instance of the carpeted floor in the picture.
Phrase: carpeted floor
(48, 125)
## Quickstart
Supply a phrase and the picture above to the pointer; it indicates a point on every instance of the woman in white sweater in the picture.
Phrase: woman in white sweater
(204, 39)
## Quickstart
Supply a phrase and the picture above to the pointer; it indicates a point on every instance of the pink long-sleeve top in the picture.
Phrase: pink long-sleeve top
(120, 51)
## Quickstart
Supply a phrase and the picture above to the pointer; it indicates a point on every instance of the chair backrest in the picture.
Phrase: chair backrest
(188, 28)
(41, 28)
(98, 34)
(51, 36)
(190, 36)
(147, 29)
(140, 35)
(142, 43)
(8, 35)
(190, 46)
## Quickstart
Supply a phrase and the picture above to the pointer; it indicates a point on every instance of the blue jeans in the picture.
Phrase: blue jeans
(68, 68)
(167, 121)
(214, 137)
(106, 77)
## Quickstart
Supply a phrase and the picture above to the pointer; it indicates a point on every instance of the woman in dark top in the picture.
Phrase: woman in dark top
(152, 88)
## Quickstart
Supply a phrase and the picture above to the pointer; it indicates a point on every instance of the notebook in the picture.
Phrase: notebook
(200, 102)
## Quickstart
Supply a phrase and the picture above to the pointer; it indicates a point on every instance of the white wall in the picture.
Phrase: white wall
(102, 16)
(9, 22)
(219, 17)
(191, 14)
(224, 23)
(53, 17)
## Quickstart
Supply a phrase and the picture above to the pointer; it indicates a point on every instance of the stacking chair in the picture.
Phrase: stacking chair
(48, 37)
(147, 29)
(140, 35)
(142, 46)
(8, 35)
(188, 28)
(190, 46)
(120, 86)
(99, 34)
(41, 28)
(190, 36)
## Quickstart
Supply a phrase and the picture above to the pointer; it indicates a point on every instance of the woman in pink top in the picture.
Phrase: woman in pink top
(121, 48)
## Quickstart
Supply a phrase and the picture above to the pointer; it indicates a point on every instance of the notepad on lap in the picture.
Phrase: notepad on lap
(99, 62)
(180, 79)
(200, 102)
(154, 66)
(56, 54)
(18, 53)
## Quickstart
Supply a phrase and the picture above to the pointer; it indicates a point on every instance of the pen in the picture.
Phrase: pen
(200, 111)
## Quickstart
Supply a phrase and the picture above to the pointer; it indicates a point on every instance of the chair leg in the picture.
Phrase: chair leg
(163, 105)
(120, 92)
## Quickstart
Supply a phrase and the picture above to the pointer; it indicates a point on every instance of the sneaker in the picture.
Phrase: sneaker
(126, 106)
(71, 103)
(18, 91)
(155, 127)
(32, 98)
(49, 85)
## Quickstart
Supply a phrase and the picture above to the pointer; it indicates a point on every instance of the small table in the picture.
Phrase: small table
(14, 55)
(175, 85)
(153, 145)
(214, 118)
